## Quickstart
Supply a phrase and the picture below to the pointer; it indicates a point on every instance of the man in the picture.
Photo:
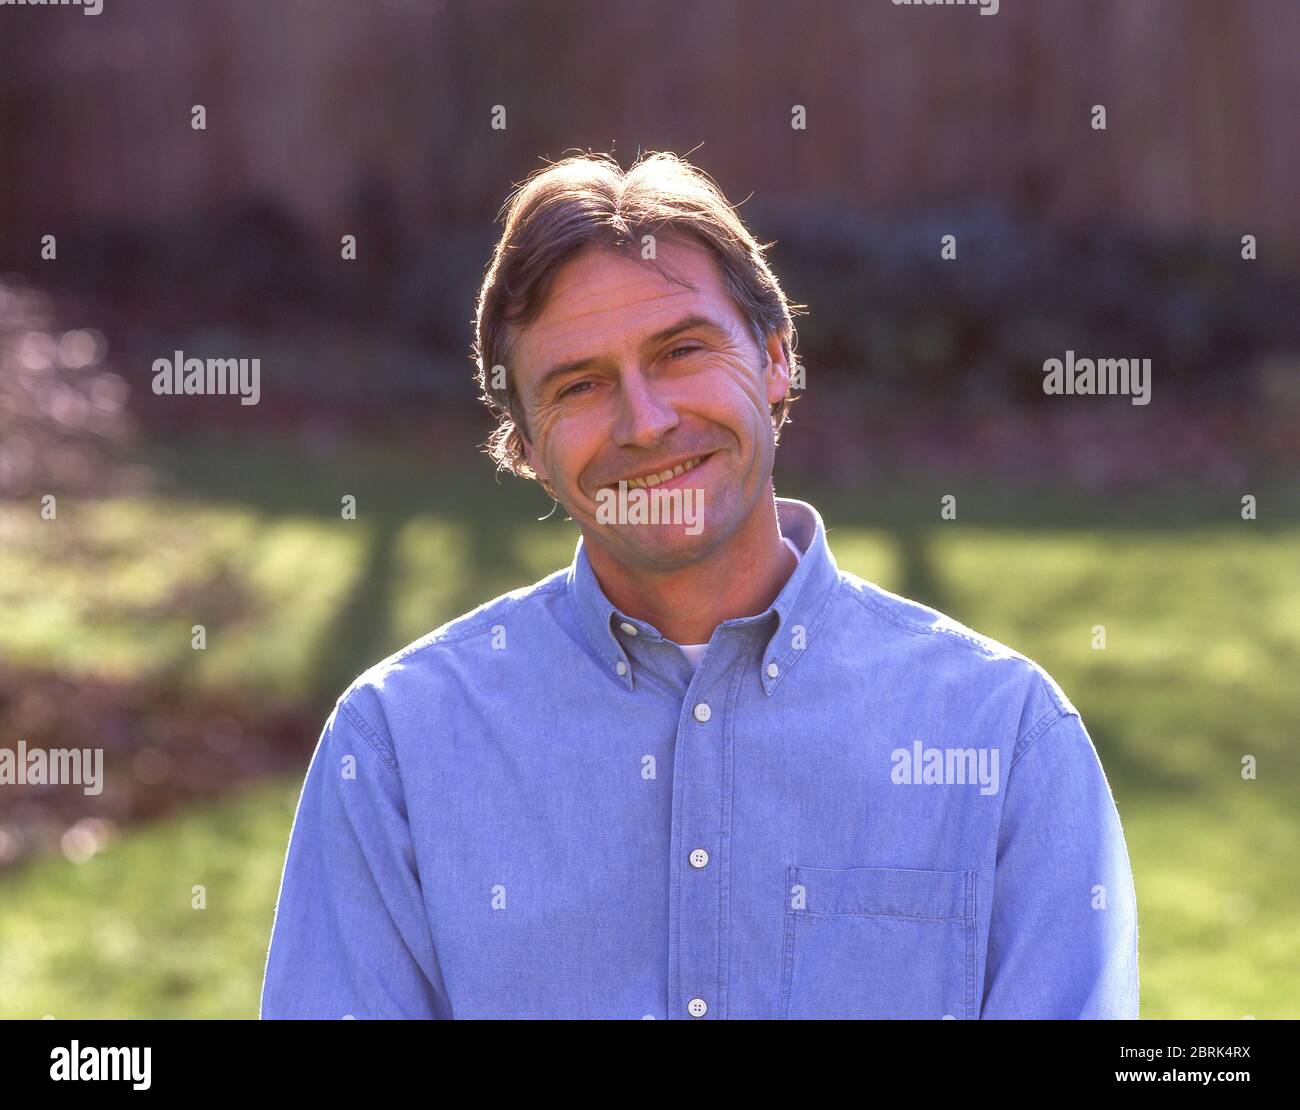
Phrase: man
(701, 773)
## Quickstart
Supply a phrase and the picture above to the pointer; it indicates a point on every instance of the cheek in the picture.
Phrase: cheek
(733, 394)
(570, 445)
(745, 380)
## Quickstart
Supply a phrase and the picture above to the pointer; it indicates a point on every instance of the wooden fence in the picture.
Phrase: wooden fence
(309, 100)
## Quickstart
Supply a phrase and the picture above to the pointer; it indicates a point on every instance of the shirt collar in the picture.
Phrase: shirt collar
(797, 613)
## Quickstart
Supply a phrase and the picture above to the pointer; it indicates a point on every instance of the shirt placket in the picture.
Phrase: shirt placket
(702, 769)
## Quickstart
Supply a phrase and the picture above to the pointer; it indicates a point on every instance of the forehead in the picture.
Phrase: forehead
(602, 299)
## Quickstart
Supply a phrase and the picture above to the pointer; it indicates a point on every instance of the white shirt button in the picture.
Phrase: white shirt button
(621, 667)
(703, 712)
(697, 1007)
(773, 670)
(699, 858)
(630, 629)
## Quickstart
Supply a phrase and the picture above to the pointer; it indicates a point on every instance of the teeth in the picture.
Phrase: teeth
(651, 480)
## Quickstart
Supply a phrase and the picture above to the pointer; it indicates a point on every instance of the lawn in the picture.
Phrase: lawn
(1201, 613)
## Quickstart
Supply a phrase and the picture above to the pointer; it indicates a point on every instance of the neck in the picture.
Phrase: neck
(741, 578)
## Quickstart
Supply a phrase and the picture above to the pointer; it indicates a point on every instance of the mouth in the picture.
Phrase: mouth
(667, 476)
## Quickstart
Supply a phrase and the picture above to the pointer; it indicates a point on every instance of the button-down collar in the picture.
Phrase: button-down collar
(795, 615)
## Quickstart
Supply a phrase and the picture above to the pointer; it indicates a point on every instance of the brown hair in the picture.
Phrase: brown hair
(587, 200)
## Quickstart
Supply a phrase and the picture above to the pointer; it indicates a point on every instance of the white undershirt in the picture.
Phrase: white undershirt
(695, 652)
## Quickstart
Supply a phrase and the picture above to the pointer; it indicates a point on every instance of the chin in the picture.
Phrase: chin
(669, 547)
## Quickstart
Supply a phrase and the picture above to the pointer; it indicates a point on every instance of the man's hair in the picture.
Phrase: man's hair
(587, 200)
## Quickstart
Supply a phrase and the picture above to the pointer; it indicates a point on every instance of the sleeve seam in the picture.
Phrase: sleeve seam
(1032, 736)
(371, 736)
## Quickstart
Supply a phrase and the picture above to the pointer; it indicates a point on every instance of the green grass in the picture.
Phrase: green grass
(123, 583)
(1201, 613)
(119, 935)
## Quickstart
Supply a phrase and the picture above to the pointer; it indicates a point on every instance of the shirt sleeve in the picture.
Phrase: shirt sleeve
(351, 937)
(1063, 932)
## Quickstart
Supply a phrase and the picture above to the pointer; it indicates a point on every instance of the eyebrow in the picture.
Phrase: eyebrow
(686, 323)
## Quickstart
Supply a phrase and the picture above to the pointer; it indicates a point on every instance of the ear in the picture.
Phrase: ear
(776, 371)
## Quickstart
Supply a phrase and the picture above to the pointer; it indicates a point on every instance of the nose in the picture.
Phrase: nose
(644, 418)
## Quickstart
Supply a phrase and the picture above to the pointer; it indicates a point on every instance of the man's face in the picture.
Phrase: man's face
(653, 374)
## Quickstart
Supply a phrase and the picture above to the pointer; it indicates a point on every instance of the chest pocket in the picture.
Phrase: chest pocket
(878, 942)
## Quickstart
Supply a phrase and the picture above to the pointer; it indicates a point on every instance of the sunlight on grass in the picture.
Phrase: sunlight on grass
(430, 560)
(114, 588)
(1218, 903)
(869, 553)
(118, 936)
(1202, 650)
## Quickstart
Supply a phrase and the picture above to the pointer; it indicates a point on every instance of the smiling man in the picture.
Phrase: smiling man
(701, 772)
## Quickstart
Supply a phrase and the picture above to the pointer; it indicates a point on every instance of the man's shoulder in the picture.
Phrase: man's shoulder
(904, 617)
(911, 630)
(418, 669)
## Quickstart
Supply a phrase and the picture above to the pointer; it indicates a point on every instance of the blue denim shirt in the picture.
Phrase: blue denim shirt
(855, 808)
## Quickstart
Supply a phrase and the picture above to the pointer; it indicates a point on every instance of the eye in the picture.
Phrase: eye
(685, 347)
(567, 390)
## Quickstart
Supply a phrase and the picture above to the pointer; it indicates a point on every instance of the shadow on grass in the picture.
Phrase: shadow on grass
(393, 491)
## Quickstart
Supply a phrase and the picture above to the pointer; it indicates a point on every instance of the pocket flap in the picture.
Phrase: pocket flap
(887, 892)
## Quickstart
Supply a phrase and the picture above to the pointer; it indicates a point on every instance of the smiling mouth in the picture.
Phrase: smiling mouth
(649, 481)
